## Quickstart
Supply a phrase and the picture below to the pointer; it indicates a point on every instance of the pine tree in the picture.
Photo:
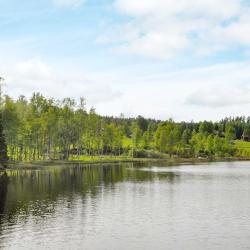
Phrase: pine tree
(3, 146)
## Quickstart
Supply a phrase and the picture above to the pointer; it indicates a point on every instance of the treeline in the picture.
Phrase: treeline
(41, 128)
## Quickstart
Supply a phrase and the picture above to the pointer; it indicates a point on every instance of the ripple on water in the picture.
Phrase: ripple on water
(204, 206)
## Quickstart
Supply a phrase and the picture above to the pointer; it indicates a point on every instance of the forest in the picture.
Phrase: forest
(48, 129)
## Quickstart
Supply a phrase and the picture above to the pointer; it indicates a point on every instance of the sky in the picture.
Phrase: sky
(185, 60)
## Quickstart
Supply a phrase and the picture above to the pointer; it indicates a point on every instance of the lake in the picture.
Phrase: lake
(127, 206)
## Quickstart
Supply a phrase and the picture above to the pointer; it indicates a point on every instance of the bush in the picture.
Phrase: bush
(143, 153)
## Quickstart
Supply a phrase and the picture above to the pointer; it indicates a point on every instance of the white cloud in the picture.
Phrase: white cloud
(34, 75)
(220, 96)
(211, 8)
(163, 28)
(199, 93)
(34, 70)
(68, 3)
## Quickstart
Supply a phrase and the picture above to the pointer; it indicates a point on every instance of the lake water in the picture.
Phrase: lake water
(127, 206)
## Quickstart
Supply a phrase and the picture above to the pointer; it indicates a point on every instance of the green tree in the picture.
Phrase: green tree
(206, 128)
(3, 146)
(230, 132)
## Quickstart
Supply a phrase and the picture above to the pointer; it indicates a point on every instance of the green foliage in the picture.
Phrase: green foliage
(230, 132)
(42, 128)
(242, 148)
(143, 153)
(3, 146)
(206, 128)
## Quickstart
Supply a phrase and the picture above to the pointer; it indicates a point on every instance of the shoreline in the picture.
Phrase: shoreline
(43, 163)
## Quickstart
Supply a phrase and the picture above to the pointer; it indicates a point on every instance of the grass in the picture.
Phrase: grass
(242, 144)
(96, 158)
(243, 147)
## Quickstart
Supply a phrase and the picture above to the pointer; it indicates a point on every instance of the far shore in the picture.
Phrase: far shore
(171, 161)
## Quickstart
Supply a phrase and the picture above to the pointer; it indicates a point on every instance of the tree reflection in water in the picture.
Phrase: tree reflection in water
(36, 191)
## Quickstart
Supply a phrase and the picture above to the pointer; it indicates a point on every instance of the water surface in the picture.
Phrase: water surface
(127, 206)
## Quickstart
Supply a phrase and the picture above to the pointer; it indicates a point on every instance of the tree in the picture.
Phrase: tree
(206, 128)
(3, 146)
(1, 93)
(230, 132)
(218, 146)
(186, 136)
(197, 143)
(163, 140)
(41, 128)
(209, 146)
(136, 136)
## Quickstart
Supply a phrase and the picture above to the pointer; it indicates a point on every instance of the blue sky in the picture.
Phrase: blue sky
(157, 58)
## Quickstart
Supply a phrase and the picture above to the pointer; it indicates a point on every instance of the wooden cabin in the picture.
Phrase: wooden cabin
(245, 137)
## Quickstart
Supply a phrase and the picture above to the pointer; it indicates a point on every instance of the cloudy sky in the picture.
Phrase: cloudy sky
(186, 59)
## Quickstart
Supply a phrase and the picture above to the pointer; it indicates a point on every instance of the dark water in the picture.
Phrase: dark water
(127, 207)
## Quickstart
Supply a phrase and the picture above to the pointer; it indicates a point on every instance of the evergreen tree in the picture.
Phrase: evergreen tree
(3, 146)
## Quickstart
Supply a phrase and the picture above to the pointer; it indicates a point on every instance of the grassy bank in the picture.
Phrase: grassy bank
(242, 147)
(112, 160)
(87, 160)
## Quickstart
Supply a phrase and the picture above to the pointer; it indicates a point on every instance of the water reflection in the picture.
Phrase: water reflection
(3, 191)
(126, 206)
(36, 191)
